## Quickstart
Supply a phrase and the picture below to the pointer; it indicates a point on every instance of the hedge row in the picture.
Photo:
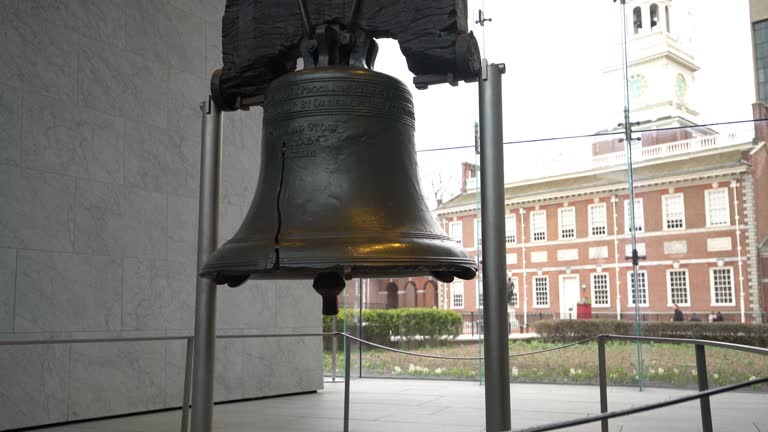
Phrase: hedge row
(382, 325)
(574, 330)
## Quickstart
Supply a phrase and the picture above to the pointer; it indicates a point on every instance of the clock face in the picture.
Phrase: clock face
(681, 87)
(638, 85)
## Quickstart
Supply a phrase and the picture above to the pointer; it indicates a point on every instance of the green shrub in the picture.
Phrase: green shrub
(407, 324)
(574, 330)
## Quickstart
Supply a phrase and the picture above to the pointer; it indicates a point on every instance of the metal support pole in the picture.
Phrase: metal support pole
(496, 348)
(701, 373)
(603, 377)
(360, 331)
(334, 341)
(347, 350)
(187, 386)
(205, 298)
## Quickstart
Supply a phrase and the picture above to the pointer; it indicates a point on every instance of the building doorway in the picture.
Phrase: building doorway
(569, 296)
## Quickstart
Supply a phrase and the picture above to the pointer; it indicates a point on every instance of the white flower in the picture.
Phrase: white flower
(438, 371)
(573, 371)
(715, 376)
(396, 370)
(514, 371)
(411, 368)
(661, 370)
(675, 371)
(693, 372)
(752, 378)
(651, 371)
(578, 371)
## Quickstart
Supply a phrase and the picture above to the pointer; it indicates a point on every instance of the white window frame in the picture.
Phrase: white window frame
(510, 229)
(607, 289)
(666, 210)
(451, 226)
(478, 240)
(592, 225)
(687, 287)
(639, 215)
(479, 291)
(563, 224)
(517, 287)
(630, 301)
(535, 297)
(713, 298)
(456, 286)
(708, 206)
(533, 225)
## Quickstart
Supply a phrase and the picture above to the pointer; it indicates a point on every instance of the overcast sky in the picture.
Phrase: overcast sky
(555, 53)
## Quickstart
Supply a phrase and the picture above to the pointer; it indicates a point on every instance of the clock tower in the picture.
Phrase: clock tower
(660, 70)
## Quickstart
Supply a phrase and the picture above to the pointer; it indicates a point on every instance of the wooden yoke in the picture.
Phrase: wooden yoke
(262, 40)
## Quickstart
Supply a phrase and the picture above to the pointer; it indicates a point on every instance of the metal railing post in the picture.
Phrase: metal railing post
(495, 336)
(205, 295)
(187, 386)
(347, 344)
(701, 373)
(334, 341)
(603, 379)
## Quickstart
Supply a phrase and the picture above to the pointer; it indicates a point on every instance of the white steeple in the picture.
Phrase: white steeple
(660, 70)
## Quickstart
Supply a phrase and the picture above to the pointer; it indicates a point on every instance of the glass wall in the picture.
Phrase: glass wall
(635, 179)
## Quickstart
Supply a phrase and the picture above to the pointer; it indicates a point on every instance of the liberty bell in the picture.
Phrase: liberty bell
(338, 194)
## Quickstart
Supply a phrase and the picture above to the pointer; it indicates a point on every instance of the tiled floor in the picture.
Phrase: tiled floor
(449, 406)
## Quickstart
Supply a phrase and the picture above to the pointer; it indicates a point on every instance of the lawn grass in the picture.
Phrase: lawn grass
(664, 365)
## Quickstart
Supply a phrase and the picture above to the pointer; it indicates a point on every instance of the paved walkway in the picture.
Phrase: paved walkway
(449, 406)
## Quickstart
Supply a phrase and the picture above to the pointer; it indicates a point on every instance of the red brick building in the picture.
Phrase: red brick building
(697, 224)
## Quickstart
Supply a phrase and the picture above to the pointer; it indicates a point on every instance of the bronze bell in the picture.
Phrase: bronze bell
(338, 195)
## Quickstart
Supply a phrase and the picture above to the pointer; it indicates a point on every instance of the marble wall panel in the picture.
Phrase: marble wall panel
(100, 20)
(43, 60)
(241, 157)
(120, 221)
(10, 125)
(182, 228)
(180, 302)
(298, 305)
(34, 385)
(38, 210)
(183, 174)
(251, 305)
(65, 292)
(121, 83)
(207, 9)
(163, 33)
(282, 365)
(116, 378)
(175, 357)
(7, 288)
(228, 378)
(147, 156)
(60, 138)
(145, 286)
(213, 57)
(185, 93)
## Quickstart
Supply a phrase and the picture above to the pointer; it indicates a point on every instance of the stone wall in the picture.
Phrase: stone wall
(99, 175)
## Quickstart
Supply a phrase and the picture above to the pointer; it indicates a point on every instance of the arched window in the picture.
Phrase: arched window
(654, 16)
(666, 14)
(637, 19)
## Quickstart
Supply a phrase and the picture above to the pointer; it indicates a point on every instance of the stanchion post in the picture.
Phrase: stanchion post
(347, 350)
(187, 386)
(205, 296)
(603, 377)
(334, 341)
(496, 338)
(701, 373)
